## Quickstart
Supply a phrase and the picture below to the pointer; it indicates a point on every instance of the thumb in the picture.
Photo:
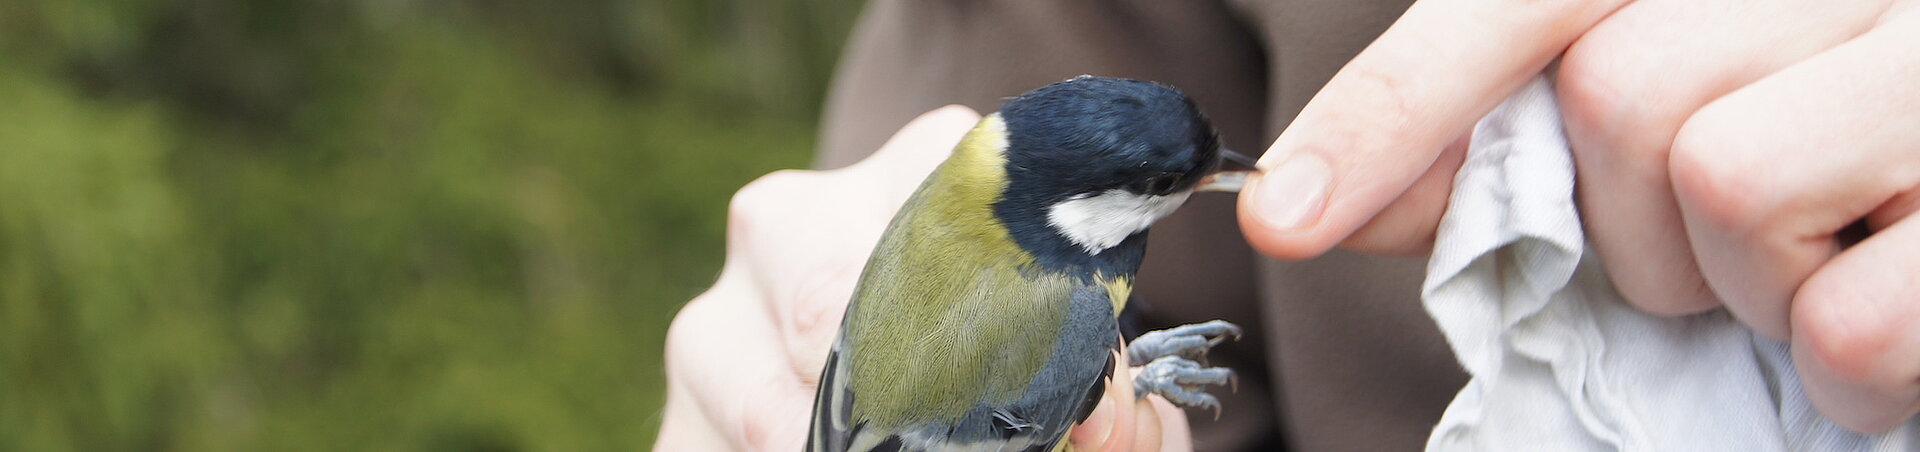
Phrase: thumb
(1123, 422)
(1367, 151)
(1111, 426)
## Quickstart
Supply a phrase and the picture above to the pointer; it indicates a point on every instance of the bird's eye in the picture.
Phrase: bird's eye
(1160, 184)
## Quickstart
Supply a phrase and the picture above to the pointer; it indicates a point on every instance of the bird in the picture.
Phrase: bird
(985, 318)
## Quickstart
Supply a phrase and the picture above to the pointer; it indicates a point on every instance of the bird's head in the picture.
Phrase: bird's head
(1096, 160)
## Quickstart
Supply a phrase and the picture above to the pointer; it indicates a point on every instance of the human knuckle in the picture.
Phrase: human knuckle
(756, 428)
(1849, 347)
(769, 193)
(1590, 71)
(686, 332)
(1597, 95)
(1622, 105)
(1714, 177)
(817, 308)
(1586, 96)
(769, 416)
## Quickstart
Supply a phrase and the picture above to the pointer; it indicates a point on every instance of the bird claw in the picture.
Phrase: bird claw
(1170, 362)
(1189, 341)
(1182, 382)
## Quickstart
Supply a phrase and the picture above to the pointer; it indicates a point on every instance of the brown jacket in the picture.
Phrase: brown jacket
(1339, 355)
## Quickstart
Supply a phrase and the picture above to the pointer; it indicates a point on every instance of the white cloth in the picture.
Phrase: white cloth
(1558, 360)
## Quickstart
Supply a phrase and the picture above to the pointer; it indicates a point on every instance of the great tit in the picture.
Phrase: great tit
(985, 317)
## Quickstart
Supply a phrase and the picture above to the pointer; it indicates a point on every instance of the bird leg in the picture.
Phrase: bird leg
(1172, 361)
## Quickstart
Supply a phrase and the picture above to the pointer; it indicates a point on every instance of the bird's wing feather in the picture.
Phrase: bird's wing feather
(1048, 401)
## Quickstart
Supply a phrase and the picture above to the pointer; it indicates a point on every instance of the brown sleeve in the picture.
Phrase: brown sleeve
(1338, 354)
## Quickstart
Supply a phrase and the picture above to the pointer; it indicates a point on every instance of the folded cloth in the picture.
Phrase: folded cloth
(1558, 360)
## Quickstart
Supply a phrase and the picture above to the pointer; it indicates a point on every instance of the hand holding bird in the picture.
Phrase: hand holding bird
(743, 358)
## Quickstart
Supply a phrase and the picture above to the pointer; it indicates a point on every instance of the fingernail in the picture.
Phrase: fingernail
(1292, 195)
(1097, 427)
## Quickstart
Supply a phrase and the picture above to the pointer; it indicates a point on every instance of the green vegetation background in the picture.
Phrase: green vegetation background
(374, 224)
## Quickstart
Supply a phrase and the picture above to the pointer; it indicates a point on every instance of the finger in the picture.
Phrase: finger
(1175, 435)
(801, 285)
(1856, 326)
(1147, 436)
(1408, 225)
(1382, 121)
(1767, 175)
(1111, 426)
(1123, 422)
(725, 367)
(1625, 88)
(684, 427)
(1097, 430)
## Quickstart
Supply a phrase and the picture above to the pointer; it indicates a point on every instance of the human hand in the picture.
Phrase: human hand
(1720, 147)
(743, 358)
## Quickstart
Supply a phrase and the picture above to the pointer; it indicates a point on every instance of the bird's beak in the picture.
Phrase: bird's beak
(1231, 175)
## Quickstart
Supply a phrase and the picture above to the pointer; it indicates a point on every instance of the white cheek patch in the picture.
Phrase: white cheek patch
(1101, 221)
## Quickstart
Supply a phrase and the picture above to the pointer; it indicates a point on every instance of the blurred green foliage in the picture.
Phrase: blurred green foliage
(374, 224)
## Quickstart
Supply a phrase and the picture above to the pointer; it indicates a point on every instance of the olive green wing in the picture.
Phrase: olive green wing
(973, 389)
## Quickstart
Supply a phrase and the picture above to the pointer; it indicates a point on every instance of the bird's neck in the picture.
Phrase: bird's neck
(975, 179)
(1027, 223)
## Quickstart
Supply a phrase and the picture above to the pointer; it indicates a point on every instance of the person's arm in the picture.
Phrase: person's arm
(1722, 148)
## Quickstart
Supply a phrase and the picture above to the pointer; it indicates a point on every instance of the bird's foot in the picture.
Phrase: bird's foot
(1171, 363)
(1189, 341)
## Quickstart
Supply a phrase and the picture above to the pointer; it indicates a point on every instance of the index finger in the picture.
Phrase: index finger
(727, 379)
(1383, 120)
